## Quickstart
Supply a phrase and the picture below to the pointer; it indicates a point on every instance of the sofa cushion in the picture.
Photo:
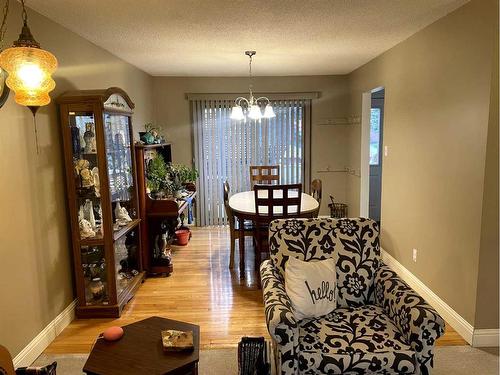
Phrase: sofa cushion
(353, 243)
(311, 287)
(360, 340)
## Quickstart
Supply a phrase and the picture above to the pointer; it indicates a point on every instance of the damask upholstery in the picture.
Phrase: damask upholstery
(380, 325)
(419, 322)
(355, 340)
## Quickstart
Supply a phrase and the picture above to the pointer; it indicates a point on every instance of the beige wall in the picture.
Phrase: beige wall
(437, 95)
(487, 284)
(35, 275)
(328, 142)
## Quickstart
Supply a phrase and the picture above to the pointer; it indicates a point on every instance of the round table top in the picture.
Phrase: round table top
(244, 203)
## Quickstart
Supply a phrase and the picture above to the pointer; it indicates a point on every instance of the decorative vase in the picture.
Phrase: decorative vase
(147, 138)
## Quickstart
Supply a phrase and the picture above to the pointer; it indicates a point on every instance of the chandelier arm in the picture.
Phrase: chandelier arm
(263, 98)
(240, 99)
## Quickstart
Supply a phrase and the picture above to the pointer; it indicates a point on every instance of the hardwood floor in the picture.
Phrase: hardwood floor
(202, 290)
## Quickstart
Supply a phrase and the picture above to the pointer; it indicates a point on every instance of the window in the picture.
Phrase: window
(225, 149)
(374, 136)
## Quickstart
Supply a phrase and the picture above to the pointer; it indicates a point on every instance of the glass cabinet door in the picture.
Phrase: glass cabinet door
(89, 207)
(93, 262)
(126, 259)
(120, 173)
(86, 175)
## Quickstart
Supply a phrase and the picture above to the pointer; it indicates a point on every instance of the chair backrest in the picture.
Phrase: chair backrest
(6, 364)
(277, 201)
(316, 190)
(354, 243)
(264, 174)
(229, 212)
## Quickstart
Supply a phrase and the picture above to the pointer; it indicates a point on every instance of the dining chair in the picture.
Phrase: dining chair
(273, 202)
(233, 224)
(264, 174)
(316, 192)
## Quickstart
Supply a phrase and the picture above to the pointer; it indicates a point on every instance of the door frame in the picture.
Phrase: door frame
(364, 193)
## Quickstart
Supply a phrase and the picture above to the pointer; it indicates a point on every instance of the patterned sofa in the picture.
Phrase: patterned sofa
(380, 325)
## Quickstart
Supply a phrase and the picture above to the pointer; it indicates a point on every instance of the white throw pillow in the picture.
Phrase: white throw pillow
(311, 287)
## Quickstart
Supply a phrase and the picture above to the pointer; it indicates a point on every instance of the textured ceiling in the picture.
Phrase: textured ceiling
(208, 37)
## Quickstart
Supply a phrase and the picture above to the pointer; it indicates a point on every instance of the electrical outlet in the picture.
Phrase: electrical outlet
(415, 255)
(386, 150)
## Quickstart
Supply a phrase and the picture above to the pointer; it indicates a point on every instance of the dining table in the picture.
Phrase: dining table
(243, 206)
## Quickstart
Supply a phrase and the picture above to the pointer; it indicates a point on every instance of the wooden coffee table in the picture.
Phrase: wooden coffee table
(140, 351)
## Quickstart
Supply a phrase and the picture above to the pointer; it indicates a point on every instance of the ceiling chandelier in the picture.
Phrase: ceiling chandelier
(251, 107)
(30, 68)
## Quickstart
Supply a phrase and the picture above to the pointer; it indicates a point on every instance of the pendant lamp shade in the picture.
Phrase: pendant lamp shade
(269, 111)
(254, 112)
(30, 71)
(237, 113)
(30, 68)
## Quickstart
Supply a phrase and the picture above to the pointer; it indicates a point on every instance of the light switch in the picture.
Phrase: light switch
(385, 150)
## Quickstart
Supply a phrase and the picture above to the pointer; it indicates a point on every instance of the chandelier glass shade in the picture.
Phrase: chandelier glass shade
(30, 69)
(250, 107)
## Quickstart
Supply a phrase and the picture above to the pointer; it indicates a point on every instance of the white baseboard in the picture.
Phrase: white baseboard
(486, 338)
(459, 324)
(36, 347)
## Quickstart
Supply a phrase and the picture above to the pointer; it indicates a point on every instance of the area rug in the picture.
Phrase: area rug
(212, 362)
(450, 360)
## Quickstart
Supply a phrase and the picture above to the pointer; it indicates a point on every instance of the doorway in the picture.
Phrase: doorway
(372, 134)
(376, 142)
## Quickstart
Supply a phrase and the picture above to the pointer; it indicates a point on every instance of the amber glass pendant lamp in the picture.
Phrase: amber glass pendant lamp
(29, 69)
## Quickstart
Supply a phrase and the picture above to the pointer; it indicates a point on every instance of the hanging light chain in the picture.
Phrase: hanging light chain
(3, 26)
(25, 14)
(250, 66)
(250, 86)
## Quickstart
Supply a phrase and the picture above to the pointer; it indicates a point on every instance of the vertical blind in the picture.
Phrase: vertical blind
(224, 149)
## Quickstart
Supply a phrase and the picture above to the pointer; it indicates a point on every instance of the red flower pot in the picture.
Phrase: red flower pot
(182, 236)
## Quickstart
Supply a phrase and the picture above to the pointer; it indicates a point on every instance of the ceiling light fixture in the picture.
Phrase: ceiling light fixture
(251, 106)
(29, 68)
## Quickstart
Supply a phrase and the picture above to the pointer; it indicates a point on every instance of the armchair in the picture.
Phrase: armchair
(379, 324)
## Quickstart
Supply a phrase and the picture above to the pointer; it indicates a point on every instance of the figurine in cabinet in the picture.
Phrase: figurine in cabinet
(96, 181)
(86, 230)
(86, 220)
(82, 169)
(121, 215)
(89, 138)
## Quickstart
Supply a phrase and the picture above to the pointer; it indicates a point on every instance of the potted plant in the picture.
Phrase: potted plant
(175, 179)
(188, 176)
(156, 176)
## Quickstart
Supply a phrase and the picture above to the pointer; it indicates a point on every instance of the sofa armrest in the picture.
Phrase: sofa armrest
(281, 321)
(416, 319)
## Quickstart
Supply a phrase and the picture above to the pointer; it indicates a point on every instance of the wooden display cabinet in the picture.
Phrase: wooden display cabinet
(160, 216)
(102, 199)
